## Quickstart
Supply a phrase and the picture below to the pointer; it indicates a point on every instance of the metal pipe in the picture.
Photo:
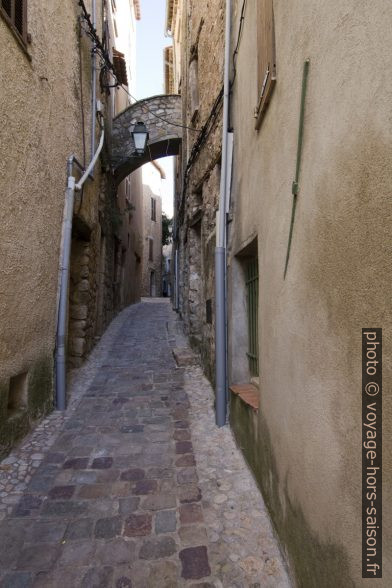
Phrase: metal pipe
(63, 301)
(176, 295)
(220, 250)
(91, 164)
(65, 258)
(295, 186)
(74, 160)
(93, 82)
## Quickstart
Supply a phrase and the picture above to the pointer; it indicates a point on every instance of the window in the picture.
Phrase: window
(252, 295)
(153, 209)
(266, 61)
(15, 14)
(150, 249)
(194, 87)
(194, 74)
(119, 64)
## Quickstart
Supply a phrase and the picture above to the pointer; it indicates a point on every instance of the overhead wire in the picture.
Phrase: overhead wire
(236, 50)
(216, 107)
(101, 51)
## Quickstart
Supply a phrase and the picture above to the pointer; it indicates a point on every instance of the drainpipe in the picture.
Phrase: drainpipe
(93, 82)
(65, 257)
(176, 291)
(220, 250)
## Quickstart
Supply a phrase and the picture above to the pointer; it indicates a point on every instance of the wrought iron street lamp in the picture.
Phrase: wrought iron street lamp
(140, 138)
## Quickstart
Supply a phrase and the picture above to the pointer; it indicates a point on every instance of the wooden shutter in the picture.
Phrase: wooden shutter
(120, 67)
(15, 13)
(6, 6)
(153, 209)
(19, 18)
(266, 60)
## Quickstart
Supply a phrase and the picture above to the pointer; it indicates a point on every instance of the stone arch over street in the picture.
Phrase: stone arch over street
(165, 134)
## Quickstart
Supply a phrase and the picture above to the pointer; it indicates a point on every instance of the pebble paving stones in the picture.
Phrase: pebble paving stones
(129, 488)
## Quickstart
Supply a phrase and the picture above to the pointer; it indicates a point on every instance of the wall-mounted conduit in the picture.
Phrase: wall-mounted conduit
(295, 187)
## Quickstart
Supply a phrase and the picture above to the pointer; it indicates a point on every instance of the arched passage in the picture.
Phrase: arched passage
(164, 135)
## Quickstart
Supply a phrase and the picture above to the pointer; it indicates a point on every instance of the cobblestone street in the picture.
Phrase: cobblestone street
(134, 485)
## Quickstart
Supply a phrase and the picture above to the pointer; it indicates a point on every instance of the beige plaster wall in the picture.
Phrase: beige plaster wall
(130, 202)
(130, 206)
(40, 104)
(308, 432)
(151, 229)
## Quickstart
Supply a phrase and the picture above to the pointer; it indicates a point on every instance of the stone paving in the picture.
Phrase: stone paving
(134, 486)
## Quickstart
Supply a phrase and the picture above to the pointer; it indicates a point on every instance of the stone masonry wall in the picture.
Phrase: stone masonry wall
(152, 229)
(203, 34)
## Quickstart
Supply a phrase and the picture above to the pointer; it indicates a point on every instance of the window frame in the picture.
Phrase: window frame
(21, 36)
(153, 209)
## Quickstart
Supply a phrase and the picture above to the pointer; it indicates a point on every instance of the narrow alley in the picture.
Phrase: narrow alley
(134, 485)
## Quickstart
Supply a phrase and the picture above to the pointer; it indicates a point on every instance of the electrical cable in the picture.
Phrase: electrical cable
(235, 53)
(216, 107)
(156, 115)
(100, 50)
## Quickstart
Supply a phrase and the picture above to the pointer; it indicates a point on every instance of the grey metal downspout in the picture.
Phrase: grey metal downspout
(176, 294)
(220, 250)
(63, 300)
(64, 276)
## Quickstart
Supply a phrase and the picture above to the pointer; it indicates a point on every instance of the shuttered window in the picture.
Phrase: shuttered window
(153, 209)
(252, 294)
(150, 249)
(15, 14)
(266, 60)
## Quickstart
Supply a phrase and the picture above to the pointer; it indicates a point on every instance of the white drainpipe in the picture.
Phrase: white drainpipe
(65, 257)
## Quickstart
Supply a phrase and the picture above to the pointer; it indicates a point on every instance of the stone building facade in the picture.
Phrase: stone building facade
(152, 175)
(129, 239)
(46, 101)
(197, 29)
(308, 259)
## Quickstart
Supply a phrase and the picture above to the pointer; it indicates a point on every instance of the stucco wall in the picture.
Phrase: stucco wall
(152, 229)
(306, 448)
(41, 100)
(130, 191)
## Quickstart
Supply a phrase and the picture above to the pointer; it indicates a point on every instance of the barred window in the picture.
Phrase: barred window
(14, 13)
(252, 295)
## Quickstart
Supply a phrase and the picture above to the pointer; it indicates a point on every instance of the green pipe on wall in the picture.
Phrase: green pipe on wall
(295, 187)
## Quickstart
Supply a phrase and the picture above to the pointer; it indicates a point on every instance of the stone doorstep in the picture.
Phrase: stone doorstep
(184, 356)
(248, 393)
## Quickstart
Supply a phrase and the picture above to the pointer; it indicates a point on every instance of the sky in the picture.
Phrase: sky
(150, 42)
